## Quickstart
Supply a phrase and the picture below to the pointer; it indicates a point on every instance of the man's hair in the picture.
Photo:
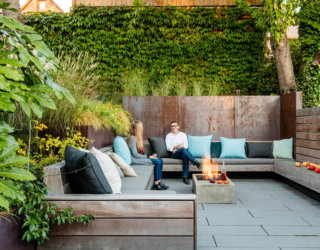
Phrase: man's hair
(173, 122)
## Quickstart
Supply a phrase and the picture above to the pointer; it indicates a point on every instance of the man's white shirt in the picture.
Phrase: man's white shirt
(173, 140)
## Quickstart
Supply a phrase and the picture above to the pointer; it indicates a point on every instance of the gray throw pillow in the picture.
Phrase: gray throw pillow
(158, 146)
(86, 175)
(259, 150)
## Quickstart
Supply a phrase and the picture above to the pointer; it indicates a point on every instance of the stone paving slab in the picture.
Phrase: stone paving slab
(221, 213)
(284, 221)
(228, 248)
(268, 215)
(291, 231)
(232, 230)
(267, 241)
(314, 221)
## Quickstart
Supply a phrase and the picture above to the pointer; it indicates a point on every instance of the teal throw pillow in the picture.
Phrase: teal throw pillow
(121, 148)
(233, 148)
(283, 149)
(199, 146)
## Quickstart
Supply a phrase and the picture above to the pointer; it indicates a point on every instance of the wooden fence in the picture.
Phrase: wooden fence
(181, 3)
(308, 135)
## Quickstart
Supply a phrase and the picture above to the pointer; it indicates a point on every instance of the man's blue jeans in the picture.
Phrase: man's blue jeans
(157, 169)
(184, 154)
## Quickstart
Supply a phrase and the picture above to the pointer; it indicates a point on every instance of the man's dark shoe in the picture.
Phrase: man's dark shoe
(163, 185)
(157, 187)
(186, 181)
(197, 164)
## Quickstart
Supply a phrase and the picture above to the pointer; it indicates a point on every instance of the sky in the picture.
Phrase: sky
(63, 4)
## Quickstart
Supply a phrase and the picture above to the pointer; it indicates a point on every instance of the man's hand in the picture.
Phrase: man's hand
(176, 147)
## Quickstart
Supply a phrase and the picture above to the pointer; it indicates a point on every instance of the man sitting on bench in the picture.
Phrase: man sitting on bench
(177, 144)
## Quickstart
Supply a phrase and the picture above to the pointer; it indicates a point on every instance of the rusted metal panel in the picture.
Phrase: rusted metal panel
(11, 234)
(288, 116)
(257, 117)
(254, 117)
(204, 115)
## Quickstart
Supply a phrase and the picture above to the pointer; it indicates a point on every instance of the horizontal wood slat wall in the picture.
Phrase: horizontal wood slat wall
(131, 209)
(308, 135)
(94, 243)
(127, 224)
(162, 2)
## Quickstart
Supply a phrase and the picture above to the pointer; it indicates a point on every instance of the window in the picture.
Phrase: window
(42, 5)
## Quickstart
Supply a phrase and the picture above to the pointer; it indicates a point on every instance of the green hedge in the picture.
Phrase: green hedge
(219, 44)
(309, 36)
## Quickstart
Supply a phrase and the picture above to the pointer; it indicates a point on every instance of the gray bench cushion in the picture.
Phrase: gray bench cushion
(302, 175)
(248, 161)
(149, 192)
(144, 173)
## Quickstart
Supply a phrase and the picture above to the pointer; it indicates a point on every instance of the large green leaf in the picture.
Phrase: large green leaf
(16, 173)
(36, 108)
(13, 62)
(9, 189)
(13, 25)
(4, 203)
(6, 103)
(26, 108)
(5, 128)
(13, 161)
(11, 73)
(44, 99)
(7, 141)
(4, 83)
(58, 90)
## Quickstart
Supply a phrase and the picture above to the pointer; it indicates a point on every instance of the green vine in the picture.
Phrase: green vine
(40, 216)
(220, 45)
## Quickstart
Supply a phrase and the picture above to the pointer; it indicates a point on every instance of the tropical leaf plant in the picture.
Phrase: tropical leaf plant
(25, 81)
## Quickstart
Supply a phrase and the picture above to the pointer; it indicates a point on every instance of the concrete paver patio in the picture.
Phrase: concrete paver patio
(268, 215)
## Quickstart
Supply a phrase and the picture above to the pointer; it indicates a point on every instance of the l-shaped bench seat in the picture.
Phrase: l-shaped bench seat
(138, 218)
(283, 167)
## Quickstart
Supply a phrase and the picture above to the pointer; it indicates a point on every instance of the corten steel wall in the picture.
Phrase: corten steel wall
(11, 234)
(251, 117)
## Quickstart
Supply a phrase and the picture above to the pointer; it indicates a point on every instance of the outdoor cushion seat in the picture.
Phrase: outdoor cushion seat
(144, 173)
(171, 161)
(148, 192)
(248, 161)
(227, 161)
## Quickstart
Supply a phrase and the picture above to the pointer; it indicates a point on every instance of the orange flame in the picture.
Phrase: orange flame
(210, 169)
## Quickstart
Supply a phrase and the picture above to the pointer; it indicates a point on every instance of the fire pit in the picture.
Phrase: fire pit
(211, 186)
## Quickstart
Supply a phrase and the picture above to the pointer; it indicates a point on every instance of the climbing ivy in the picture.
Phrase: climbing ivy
(220, 44)
(309, 36)
(309, 28)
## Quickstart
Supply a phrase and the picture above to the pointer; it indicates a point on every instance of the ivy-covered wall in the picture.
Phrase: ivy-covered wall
(309, 36)
(219, 44)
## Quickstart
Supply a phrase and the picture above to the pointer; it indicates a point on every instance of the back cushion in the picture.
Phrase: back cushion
(215, 149)
(158, 146)
(87, 176)
(259, 149)
(121, 148)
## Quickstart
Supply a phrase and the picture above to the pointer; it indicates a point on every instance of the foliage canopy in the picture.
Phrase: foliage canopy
(222, 45)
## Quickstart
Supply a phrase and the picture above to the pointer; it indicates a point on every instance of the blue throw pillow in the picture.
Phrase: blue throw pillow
(121, 148)
(199, 145)
(233, 148)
